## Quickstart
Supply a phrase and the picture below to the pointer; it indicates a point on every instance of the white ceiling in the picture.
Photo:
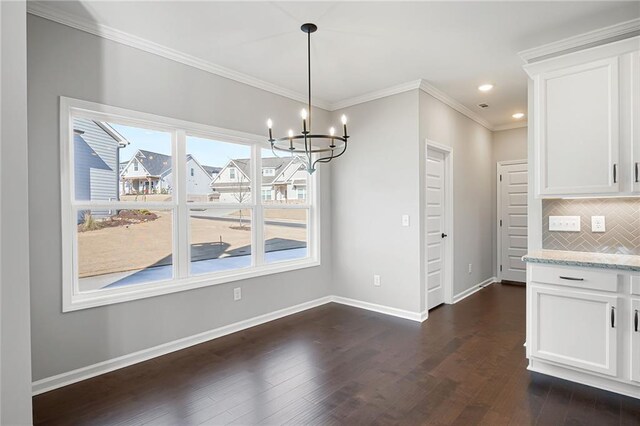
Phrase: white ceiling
(362, 47)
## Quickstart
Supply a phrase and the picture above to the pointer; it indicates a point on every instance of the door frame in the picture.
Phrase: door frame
(500, 164)
(447, 152)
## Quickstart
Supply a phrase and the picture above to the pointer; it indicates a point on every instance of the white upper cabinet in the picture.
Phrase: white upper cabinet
(585, 115)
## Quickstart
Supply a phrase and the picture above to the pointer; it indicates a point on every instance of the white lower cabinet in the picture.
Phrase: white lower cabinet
(635, 339)
(583, 324)
(575, 328)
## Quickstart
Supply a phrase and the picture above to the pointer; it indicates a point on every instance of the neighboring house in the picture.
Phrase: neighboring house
(146, 173)
(150, 173)
(96, 160)
(283, 179)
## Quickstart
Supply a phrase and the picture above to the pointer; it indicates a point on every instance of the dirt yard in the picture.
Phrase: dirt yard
(137, 246)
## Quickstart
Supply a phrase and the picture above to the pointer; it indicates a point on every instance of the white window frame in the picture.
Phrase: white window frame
(73, 299)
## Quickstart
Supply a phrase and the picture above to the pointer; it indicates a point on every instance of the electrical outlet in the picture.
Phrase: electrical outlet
(405, 220)
(237, 293)
(376, 280)
(470, 267)
(597, 224)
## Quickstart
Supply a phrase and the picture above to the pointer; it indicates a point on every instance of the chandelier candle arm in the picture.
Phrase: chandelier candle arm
(307, 136)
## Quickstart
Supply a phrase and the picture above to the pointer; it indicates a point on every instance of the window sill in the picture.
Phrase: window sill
(106, 297)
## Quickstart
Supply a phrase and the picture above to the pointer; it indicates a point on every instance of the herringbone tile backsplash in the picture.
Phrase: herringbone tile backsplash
(622, 222)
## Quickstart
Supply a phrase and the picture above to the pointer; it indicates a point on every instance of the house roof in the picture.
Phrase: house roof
(276, 163)
(212, 169)
(155, 163)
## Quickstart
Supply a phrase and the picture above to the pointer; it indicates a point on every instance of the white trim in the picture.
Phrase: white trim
(443, 97)
(376, 94)
(74, 300)
(57, 381)
(510, 126)
(500, 164)
(447, 151)
(577, 41)
(476, 288)
(109, 33)
(47, 12)
(387, 310)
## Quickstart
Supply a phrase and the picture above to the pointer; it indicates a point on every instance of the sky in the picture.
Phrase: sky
(207, 152)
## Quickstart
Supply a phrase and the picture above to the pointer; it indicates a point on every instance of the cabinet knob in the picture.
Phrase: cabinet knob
(635, 321)
(615, 173)
(636, 172)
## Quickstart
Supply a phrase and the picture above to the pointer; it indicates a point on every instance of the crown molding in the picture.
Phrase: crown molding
(580, 40)
(509, 126)
(377, 94)
(104, 31)
(47, 12)
(443, 97)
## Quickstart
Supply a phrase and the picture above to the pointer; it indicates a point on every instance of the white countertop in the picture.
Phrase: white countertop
(576, 258)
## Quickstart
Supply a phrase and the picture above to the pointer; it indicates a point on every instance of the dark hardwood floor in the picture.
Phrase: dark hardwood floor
(341, 365)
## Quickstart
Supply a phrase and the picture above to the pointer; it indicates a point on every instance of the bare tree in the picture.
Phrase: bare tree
(242, 193)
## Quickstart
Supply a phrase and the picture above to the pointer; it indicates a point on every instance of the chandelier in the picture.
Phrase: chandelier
(311, 148)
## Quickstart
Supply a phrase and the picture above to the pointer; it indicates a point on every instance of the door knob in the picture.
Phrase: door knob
(444, 235)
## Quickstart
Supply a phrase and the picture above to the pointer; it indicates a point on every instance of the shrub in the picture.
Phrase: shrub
(89, 223)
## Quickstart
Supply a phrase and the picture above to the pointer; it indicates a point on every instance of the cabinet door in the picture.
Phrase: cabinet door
(575, 328)
(635, 339)
(577, 129)
(633, 116)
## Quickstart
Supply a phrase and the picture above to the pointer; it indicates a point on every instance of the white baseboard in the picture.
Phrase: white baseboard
(60, 380)
(400, 313)
(468, 292)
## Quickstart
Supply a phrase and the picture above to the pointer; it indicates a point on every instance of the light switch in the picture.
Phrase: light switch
(597, 224)
(564, 223)
(405, 220)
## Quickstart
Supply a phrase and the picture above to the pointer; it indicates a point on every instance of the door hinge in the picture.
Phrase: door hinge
(500, 268)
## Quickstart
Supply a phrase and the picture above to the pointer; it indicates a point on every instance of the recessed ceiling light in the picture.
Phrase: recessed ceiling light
(485, 87)
(518, 115)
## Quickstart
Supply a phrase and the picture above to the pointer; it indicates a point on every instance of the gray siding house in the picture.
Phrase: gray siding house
(96, 161)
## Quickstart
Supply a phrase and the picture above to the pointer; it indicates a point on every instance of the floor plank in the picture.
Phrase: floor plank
(341, 365)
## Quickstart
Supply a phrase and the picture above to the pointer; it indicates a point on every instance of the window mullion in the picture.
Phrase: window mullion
(181, 230)
(258, 223)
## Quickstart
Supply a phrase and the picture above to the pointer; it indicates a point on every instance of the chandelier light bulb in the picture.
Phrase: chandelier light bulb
(290, 133)
(344, 119)
(269, 123)
(303, 114)
(332, 131)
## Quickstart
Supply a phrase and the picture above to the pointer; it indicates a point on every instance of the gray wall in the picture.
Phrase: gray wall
(473, 188)
(67, 62)
(15, 373)
(374, 184)
(510, 145)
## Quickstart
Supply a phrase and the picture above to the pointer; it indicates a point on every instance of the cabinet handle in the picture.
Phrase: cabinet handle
(615, 173)
(571, 278)
(635, 321)
(613, 317)
(636, 172)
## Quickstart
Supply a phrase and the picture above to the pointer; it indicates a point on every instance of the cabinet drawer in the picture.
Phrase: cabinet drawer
(576, 277)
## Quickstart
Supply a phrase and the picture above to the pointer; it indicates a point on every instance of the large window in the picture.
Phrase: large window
(154, 205)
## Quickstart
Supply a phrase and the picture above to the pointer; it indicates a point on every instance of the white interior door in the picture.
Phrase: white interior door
(512, 217)
(436, 228)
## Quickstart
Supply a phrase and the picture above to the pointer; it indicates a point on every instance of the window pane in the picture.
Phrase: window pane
(220, 240)
(220, 171)
(284, 179)
(285, 233)
(120, 163)
(123, 247)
